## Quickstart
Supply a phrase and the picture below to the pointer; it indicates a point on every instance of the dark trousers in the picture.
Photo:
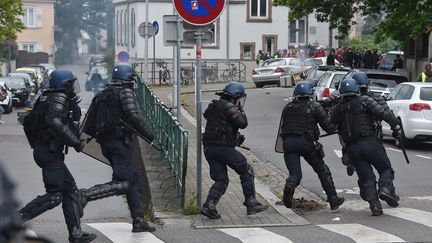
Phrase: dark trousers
(365, 153)
(57, 179)
(294, 147)
(219, 158)
(120, 156)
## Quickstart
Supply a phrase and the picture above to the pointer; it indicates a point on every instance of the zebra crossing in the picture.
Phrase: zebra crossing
(352, 232)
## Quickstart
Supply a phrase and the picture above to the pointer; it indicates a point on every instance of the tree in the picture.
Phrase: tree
(10, 21)
(403, 18)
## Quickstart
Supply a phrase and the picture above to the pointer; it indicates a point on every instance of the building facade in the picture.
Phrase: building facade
(244, 28)
(38, 18)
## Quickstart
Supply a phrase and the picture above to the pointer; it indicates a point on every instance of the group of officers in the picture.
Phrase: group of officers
(352, 112)
(54, 125)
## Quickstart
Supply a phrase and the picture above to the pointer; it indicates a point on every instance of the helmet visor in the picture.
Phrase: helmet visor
(76, 86)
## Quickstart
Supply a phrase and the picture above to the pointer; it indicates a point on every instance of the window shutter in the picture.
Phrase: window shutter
(38, 17)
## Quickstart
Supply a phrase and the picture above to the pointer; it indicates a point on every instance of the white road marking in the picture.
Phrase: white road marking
(121, 233)
(255, 235)
(361, 233)
(422, 198)
(422, 156)
(338, 153)
(396, 150)
(410, 214)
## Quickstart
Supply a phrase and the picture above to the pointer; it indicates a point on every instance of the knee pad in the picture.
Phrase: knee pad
(55, 199)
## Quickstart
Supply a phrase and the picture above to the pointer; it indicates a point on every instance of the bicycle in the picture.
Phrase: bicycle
(229, 73)
(164, 74)
(185, 76)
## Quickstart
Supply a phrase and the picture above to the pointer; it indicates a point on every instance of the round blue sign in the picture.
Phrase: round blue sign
(123, 56)
(156, 27)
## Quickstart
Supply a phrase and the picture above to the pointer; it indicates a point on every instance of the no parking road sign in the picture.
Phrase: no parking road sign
(199, 12)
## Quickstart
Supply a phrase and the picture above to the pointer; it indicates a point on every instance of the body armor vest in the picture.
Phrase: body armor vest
(108, 112)
(357, 122)
(218, 130)
(298, 120)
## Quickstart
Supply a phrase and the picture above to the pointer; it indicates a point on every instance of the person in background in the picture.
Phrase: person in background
(3, 95)
(331, 58)
(397, 63)
(425, 76)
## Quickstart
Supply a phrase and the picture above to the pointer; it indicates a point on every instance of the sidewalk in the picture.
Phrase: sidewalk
(231, 206)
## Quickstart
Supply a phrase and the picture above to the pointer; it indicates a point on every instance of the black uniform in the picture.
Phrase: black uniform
(52, 125)
(104, 122)
(300, 133)
(355, 117)
(224, 119)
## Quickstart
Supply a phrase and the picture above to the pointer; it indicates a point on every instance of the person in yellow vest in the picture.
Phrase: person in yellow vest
(425, 76)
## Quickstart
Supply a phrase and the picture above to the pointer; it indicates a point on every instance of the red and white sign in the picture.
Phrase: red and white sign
(199, 12)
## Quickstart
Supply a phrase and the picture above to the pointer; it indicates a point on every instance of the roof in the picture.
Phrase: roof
(419, 84)
(379, 71)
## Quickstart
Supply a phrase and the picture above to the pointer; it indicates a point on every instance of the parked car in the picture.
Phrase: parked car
(318, 61)
(41, 70)
(386, 62)
(273, 69)
(48, 67)
(6, 103)
(326, 83)
(27, 76)
(94, 60)
(411, 103)
(314, 73)
(382, 82)
(33, 74)
(20, 88)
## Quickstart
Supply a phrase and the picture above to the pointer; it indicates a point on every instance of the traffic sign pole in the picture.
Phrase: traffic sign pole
(198, 119)
(178, 67)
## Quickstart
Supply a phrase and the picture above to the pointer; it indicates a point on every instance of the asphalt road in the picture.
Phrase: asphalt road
(263, 107)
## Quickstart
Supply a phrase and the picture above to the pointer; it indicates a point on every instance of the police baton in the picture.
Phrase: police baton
(156, 146)
(328, 134)
(402, 146)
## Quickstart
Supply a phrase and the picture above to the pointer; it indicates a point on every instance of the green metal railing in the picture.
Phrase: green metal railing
(170, 138)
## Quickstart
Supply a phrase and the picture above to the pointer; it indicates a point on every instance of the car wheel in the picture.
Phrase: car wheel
(9, 108)
(259, 85)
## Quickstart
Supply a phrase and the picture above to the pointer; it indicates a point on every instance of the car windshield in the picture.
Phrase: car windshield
(14, 83)
(426, 93)
(274, 62)
(385, 81)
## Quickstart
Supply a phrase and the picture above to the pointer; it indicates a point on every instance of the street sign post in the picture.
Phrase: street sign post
(199, 13)
(151, 31)
(123, 56)
(155, 25)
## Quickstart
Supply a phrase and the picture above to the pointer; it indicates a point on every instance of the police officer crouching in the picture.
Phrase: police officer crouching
(300, 134)
(109, 110)
(224, 118)
(354, 117)
(51, 127)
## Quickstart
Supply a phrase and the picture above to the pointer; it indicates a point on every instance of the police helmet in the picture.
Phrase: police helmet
(303, 89)
(124, 72)
(62, 79)
(348, 87)
(361, 78)
(234, 89)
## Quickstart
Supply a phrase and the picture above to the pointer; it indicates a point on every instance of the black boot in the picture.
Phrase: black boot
(375, 207)
(388, 194)
(78, 236)
(335, 202)
(253, 206)
(288, 196)
(140, 225)
(209, 210)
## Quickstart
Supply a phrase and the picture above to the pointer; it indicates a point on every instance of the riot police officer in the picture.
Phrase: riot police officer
(50, 127)
(225, 117)
(109, 115)
(354, 117)
(300, 134)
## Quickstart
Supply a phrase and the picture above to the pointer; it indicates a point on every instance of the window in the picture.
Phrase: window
(117, 29)
(297, 31)
(121, 27)
(247, 51)
(405, 92)
(133, 32)
(29, 47)
(269, 43)
(259, 10)
(125, 28)
(426, 93)
(394, 92)
(29, 17)
(292, 31)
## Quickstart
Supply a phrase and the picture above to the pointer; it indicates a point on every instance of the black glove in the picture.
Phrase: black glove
(396, 132)
(79, 146)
